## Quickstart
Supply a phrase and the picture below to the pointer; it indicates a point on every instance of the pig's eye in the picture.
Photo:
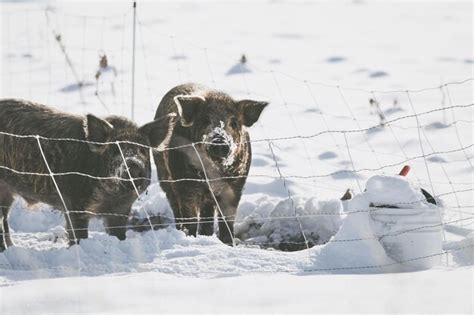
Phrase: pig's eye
(234, 123)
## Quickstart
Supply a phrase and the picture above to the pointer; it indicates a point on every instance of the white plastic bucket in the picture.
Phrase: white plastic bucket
(411, 237)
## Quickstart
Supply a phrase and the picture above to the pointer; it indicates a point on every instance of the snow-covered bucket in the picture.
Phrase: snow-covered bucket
(411, 237)
(406, 219)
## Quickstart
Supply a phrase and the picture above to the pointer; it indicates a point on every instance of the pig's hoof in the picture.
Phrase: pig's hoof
(72, 242)
(229, 242)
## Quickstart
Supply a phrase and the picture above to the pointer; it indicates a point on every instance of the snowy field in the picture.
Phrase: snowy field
(357, 90)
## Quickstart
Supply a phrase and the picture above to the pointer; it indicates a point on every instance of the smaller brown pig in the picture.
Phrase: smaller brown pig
(60, 159)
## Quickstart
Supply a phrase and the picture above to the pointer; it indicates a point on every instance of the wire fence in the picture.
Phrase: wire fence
(63, 31)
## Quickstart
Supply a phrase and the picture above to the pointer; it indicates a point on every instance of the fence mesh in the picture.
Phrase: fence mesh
(319, 138)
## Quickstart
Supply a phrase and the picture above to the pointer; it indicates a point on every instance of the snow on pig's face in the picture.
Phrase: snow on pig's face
(126, 154)
(218, 122)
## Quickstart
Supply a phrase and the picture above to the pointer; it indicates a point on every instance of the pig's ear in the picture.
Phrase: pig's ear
(251, 111)
(188, 107)
(160, 130)
(97, 130)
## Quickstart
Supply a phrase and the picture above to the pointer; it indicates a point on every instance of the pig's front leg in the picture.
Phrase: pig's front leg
(116, 226)
(226, 223)
(206, 220)
(77, 225)
(186, 219)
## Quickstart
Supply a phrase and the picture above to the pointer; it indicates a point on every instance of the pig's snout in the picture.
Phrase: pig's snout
(136, 172)
(219, 148)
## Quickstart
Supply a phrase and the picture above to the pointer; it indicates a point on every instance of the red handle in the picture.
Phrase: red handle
(405, 170)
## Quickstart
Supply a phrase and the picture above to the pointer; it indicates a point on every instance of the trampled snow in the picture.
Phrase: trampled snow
(319, 65)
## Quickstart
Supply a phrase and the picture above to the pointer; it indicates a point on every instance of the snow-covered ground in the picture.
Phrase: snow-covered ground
(424, 292)
(319, 64)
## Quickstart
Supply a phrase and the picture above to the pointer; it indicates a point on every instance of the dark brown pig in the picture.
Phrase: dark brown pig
(217, 125)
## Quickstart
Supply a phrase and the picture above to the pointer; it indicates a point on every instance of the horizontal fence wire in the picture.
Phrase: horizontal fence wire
(164, 225)
(402, 204)
(191, 144)
(240, 176)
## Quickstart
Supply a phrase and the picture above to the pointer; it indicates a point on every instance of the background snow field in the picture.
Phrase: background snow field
(357, 89)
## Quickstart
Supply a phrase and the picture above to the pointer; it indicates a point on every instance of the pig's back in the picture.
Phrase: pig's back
(21, 159)
(23, 117)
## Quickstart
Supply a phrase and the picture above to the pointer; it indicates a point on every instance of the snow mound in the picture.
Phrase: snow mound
(381, 234)
(154, 206)
(37, 218)
(239, 68)
(286, 224)
(153, 203)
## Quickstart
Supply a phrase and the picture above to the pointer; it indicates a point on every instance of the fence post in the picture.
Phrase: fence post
(133, 59)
